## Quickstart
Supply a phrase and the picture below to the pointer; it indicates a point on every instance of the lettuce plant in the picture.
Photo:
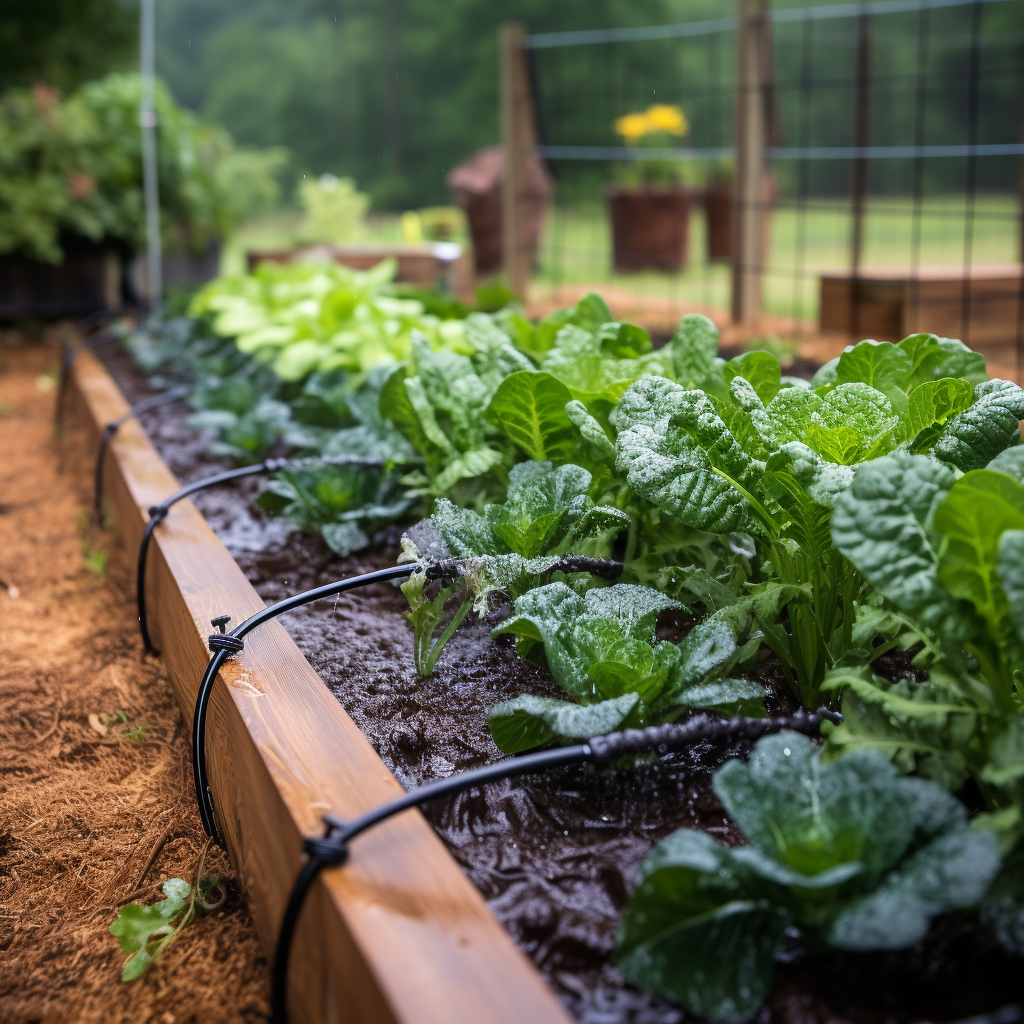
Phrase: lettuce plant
(948, 554)
(511, 547)
(438, 400)
(770, 460)
(304, 317)
(851, 854)
(601, 647)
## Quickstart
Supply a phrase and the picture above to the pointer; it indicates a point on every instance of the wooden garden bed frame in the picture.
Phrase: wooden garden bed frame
(399, 934)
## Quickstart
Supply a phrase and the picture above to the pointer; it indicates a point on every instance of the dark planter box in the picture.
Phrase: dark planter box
(88, 280)
(476, 188)
(718, 222)
(650, 227)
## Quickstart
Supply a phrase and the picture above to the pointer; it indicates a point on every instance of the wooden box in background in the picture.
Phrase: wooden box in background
(983, 308)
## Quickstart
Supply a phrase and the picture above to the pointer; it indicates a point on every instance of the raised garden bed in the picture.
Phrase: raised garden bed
(400, 934)
(553, 855)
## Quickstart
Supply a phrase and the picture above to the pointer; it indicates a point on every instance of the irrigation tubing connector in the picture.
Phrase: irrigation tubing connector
(331, 849)
(158, 513)
(224, 645)
(153, 402)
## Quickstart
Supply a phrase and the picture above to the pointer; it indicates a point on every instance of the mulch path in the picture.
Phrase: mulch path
(96, 797)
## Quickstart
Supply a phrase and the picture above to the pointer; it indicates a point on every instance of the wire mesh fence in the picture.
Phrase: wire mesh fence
(893, 167)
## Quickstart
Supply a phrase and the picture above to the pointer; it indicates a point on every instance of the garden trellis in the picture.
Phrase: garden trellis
(890, 134)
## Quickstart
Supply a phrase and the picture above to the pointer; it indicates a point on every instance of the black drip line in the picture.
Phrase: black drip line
(331, 849)
(158, 513)
(111, 429)
(225, 645)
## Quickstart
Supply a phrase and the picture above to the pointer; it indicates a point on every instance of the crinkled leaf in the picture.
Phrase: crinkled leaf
(884, 525)
(528, 721)
(880, 364)
(811, 817)
(693, 348)
(933, 403)
(678, 454)
(972, 438)
(596, 445)
(598, 643)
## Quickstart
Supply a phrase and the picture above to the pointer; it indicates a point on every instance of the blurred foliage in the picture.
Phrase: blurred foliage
(334, 210)
(395, 93)
(66, 42)
(75, 166)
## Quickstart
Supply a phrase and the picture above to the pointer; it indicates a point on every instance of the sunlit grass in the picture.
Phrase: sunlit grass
(804, 243)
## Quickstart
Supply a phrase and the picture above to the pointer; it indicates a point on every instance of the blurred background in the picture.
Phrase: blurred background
(801, 172)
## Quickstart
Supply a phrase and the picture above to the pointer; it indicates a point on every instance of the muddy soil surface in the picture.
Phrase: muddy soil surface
(555, 855)
(95, 780)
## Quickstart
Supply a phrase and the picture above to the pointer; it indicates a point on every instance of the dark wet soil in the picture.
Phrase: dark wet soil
(555, 855)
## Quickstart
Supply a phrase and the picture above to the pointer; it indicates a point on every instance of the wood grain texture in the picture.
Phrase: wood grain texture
(399, 934)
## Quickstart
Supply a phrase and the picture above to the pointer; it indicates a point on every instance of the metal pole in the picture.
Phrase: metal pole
(148, 122)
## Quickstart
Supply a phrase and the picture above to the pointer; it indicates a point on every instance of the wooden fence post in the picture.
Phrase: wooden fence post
(518, 138)
(749, 194)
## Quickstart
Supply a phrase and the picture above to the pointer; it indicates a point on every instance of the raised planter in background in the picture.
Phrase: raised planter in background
(398, 935)
(650, 227)
(476, 188)
(86, 281)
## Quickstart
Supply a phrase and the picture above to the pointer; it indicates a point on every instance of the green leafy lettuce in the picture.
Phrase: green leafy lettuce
(851, 854)
(547, 514)
(601, 647)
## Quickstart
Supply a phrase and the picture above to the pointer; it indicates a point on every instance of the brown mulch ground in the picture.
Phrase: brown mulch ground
(96, 799)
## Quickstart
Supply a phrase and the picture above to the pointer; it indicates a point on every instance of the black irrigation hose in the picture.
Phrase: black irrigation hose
(153, 402)
(331, 850)
(225, 645)
(157, 513)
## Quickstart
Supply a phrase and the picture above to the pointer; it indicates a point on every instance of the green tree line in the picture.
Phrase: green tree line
(395, 92)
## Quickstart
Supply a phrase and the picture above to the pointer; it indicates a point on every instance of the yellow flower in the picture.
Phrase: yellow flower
(632, 127)
(663, 118)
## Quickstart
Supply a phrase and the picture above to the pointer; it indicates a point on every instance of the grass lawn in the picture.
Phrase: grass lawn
(804, 242)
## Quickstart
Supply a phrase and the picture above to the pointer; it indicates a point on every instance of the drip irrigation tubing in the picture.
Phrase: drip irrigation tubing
(331, 849)
(111, 429)
(158, 513)
(224, 645)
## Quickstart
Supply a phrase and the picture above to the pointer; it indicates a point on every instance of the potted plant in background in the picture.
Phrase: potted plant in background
(71, 208)
(649, 205)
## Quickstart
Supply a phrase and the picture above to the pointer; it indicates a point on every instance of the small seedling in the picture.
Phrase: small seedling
(137, 735)
(144, 932)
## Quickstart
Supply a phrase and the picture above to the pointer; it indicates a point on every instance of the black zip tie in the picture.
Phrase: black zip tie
(225, 645)
(153, 402)
(157, 513)
(331, 849)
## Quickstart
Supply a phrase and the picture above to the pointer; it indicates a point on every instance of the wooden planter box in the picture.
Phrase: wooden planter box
(650, 227)
(418, 265)
(88, 280)
(398, 935)
(889, 305)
